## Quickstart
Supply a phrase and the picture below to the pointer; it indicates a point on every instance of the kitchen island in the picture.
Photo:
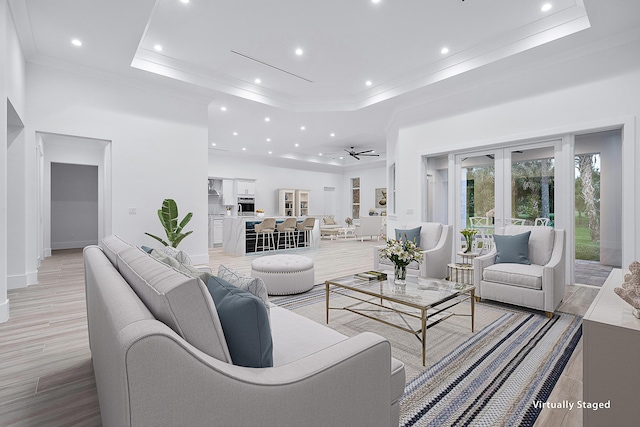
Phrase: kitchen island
(239, 237)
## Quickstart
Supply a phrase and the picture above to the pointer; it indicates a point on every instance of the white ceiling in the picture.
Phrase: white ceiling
(216, 49)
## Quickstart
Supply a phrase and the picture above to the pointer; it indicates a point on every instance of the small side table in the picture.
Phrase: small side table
(462, 272)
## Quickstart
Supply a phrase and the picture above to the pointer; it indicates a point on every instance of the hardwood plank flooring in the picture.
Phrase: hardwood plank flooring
(46, 375)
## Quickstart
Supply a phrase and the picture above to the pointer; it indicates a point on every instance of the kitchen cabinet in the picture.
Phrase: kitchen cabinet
(246, 187)
(286, 202)
(215, 231)
(302, 202)
(228, 198)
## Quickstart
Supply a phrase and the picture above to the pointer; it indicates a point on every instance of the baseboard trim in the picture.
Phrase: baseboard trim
(4, 311)
(73, 245)
(47, 252)
(17, 282)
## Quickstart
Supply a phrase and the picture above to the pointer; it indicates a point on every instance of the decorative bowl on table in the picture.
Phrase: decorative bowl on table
(260, 213)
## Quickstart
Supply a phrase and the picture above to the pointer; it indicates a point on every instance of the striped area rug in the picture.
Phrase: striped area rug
(492, 377)
(496, 376)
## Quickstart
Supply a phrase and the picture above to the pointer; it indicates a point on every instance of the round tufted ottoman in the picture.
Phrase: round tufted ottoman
(284, 274)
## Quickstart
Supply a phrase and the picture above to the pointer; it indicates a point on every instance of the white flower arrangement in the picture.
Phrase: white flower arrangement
(401, 252)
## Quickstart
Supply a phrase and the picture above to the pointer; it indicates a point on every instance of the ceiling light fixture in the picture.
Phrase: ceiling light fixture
(444, 50)
(158, 48)
(319, 154)
(270, 152)
(368, 83)
(375, 1)
(299, 52)
(297, 145)
(235, 134)
(184, 1)
(546, 7)
(76, 42)
(244, 149)
(258, 81)
(302, 127)
(268, 139)
(267, 119)
(341, 158)
(223, 108)
(332, 135)
(213, 144)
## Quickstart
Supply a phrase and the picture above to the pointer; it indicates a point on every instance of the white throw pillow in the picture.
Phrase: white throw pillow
(181, 256)
(253, 285)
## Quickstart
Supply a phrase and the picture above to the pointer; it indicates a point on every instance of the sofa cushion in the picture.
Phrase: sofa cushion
(412, 235)
(111, 245)
(245, 324)
(524, 276)
(430, 233)
(512, 248)
(329, 220)
(253, 285)
(178, 300)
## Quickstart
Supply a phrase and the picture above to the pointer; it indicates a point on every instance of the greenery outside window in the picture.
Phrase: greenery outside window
(355, 198)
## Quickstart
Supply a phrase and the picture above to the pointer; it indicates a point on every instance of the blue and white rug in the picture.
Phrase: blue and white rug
(493, 377)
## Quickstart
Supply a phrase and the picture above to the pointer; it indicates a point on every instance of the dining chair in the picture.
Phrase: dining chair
(541, 221)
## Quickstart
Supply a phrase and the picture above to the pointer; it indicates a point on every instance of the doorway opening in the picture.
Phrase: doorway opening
(598, 197)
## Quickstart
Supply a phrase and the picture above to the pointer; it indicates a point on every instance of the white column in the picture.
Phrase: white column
(4, 302)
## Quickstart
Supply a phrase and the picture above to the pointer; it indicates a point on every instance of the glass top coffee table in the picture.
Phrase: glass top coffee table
(424, 299)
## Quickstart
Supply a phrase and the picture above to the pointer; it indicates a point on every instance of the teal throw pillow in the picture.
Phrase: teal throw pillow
(412, 235)
(512, 249)
(245, 324)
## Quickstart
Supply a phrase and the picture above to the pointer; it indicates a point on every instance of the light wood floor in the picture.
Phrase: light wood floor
(46, 376)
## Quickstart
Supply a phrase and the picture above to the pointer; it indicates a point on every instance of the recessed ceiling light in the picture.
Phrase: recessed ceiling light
(76, 42)
(270, 152)
(444, 50)
(267, 119)
(341, 158)
(235, 134)
(213, 144)
(258, 81)
(375, 1)
(244, 149)
(184, 1)
(297, 145)
(158, 48)
(223, 108)
(302, 127)
(546, 7)
(332, 135)
(299, 51)
(368, 83)
(268, 139)
(319, 154)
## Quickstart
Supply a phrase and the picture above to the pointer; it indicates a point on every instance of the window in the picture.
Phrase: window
(355, 198)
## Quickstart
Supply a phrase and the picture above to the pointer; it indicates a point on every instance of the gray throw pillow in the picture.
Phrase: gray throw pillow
(254, 285)
(245, 324)
(181, 256)
(512, 249)
(412, 235)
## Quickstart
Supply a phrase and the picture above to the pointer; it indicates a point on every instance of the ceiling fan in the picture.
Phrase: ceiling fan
(353, 153)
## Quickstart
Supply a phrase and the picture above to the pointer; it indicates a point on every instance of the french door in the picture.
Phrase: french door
(507, 185)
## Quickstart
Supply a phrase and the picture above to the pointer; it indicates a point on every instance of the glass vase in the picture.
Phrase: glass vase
(469, 240)
(400, 274)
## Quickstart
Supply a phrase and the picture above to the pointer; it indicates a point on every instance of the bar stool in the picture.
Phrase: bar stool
(288, 227)
(265, 228)
(306, 227)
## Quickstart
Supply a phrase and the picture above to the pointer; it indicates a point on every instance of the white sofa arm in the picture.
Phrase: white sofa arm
(553, 274)
(479, 264)
(173, 383)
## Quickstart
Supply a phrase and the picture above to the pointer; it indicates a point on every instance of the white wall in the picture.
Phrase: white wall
(158, 147)
(12, 89)
(608, 102)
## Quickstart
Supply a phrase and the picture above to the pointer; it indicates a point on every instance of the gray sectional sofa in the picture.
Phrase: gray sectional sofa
(160, 356)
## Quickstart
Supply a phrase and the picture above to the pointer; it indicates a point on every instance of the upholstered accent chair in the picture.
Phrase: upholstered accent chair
(538, 285)
(265, 229)
(369, 226)
(435, 241)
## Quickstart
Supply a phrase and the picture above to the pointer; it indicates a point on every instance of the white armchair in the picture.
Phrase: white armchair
(369, 226)
(540, 285)
(435, 240)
